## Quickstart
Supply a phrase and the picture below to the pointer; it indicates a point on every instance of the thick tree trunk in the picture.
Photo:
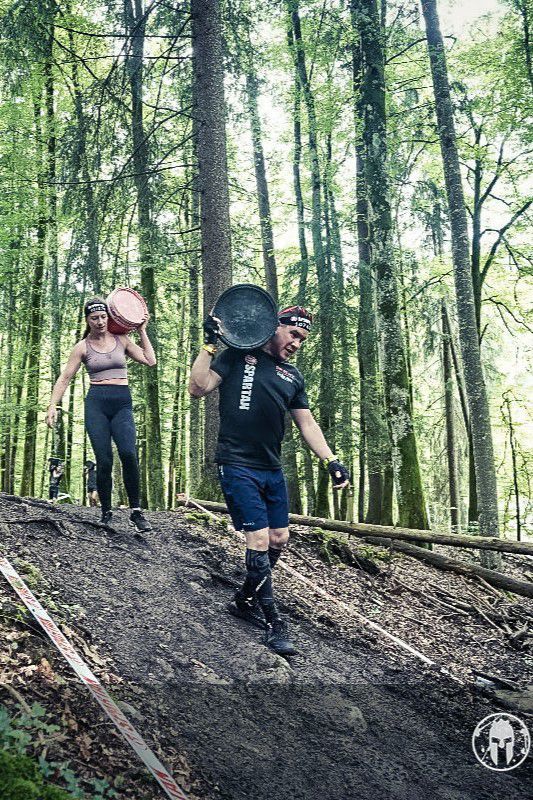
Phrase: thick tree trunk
(474, 380)
(376, 435)
(410, 496)
(210, 109)
(136, 23)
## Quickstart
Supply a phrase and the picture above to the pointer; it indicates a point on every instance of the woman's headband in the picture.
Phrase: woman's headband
(91, 308)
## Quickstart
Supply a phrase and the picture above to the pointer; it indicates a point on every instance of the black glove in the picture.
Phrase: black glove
(211, 330)
(338, 472)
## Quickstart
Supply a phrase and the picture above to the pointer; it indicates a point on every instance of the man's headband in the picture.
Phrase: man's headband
(91, 308)
(297, 316)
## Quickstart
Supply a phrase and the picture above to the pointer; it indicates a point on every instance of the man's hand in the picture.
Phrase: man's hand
(211, 329)
(339, 474)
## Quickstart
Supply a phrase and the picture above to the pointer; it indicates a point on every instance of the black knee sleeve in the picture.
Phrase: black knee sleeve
(258, 567)
(273, 555)
(259, 580)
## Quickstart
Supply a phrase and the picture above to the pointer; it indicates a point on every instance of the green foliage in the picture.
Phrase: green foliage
(24, 777)
(31, 574)
(20, 779)
(18, 734)
(198, 518)
(374, 553)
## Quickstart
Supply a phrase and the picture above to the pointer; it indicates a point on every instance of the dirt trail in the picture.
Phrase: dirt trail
(350, 717)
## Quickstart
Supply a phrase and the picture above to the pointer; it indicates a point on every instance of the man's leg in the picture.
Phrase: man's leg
(243, 489)
(258, 581)
(277, 541)
(277, 503)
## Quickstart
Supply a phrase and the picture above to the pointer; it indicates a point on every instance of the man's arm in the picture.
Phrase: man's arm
(203, 379)
(312, 435)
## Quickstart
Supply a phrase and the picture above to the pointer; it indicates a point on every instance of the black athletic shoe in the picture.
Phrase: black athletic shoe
(107, 518)
(247, 609)
(277, 638)
(139, 521)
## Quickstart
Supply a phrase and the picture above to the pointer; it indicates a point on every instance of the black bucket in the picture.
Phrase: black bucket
(248, 316)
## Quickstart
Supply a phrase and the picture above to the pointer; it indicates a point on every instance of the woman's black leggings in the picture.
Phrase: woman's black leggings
(109, 415)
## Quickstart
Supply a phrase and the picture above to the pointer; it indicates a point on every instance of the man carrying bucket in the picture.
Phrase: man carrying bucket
(256, 389)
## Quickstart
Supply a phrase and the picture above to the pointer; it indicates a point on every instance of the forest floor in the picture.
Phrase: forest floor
(353, 716)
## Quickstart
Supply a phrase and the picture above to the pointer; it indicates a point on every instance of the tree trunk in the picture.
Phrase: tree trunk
(210, 109)
(52, 242)
(474, 380)
(27, 484)
(300, 212)
(288, 452)
(6, 411)
(512, 444)
(263, 199)
(524, 7)
(410, 496)
(345, 427)
(376, 435)
(195, 409)
(91, 266)
(325, 293)
(135, 24)
(451, 448)
(177, 430)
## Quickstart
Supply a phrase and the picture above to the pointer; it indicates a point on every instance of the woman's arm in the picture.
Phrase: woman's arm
(143, 354)
(60, 387)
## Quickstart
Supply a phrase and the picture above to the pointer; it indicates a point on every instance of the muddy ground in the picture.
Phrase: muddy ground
(351, 716)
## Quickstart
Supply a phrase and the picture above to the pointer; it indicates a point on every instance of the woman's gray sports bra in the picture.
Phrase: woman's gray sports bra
(105, 366)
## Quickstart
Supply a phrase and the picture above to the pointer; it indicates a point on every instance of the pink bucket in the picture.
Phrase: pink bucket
(127, 310)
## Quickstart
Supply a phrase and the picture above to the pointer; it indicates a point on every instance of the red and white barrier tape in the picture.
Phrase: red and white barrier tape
(147, 756)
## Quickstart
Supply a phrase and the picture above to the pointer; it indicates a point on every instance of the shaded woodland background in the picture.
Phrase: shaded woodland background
(313, 148)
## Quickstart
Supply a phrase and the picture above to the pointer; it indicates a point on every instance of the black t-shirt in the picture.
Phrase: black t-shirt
(256, 391)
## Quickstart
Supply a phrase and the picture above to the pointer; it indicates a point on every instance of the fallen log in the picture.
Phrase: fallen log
(406, 534)
(498, 579)
(384, 539)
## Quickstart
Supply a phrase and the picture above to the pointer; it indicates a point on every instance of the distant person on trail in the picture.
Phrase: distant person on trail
(256, 389)
(90, 475)
(108, 405)
(56, 473)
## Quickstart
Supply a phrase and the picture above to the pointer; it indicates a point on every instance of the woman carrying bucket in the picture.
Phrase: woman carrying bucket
(108, 405)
